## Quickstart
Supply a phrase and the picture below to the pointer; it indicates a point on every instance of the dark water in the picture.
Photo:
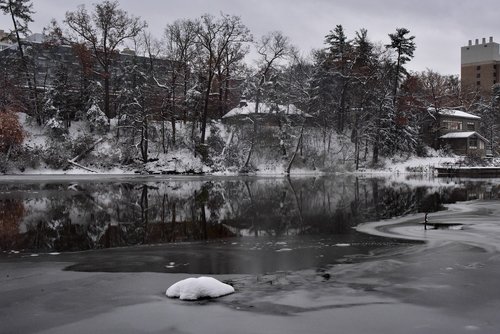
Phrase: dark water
(234, 225)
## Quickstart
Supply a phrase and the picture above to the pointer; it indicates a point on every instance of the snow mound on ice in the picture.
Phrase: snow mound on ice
(196, 288)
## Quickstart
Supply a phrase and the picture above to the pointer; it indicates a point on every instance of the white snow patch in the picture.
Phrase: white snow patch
(456, 113)
(196, 288)
(265, 108)
(456, 227)
(472, 328)
(170, 265)
(284, 250)
(412, 165)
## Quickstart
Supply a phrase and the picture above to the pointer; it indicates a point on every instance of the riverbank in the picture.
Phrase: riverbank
(447, 285)
(411, 166)
(80, 151)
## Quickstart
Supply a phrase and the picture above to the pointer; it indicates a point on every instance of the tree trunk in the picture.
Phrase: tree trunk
(24, 62)
(163, 145)
(226, 93)
(375, 150)
(296, 150)
(356, 147)
(173, 104)
(172, 122)
(106, 94)
(186, 74)
(257, 100)
(205, 109)
(145, 140)
(252, 143)
(221, 93)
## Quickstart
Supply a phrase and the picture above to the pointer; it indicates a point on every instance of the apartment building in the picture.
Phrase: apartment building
(4, 42)
(480, 65)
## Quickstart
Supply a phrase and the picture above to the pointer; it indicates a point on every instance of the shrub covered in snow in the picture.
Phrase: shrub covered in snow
(25, 157)
(196, 288)
(57, 153)
(56, 128)
(5, 163)
(97, 119)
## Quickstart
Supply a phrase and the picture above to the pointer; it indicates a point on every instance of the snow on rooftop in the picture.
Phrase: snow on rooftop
(265, 108)
(196, 288)
(463, 134)
(457, 113)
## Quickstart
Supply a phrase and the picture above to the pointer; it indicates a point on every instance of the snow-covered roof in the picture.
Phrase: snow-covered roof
(36, 38)
(456, 113)
(265, 108)
(463, 134)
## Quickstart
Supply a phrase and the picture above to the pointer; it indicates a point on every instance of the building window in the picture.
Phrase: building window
(478, 75)
(452, 125)
(471, 126)
(473, 143)
(478, 83)
(495, 66)
(478, 67)
(494, 74)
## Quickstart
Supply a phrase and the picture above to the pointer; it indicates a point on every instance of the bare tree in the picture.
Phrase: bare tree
(103, 30)
(227, 72)
(272, 48)
(181, 50)
(21, 12)
(216, 36)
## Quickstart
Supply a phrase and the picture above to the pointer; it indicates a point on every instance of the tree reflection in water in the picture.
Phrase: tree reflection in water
(62, 216)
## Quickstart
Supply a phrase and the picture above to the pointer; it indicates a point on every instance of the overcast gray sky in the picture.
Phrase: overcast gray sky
(441, 27)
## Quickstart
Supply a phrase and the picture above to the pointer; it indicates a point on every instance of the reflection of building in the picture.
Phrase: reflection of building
(480, 64)
(457, 130)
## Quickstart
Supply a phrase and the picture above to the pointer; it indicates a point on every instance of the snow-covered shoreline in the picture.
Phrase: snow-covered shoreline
(414, 166)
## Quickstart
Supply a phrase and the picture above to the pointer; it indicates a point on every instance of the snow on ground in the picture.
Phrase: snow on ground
(413, 165)
(179, 160)
(265, 108)
(35, 135)
(184, 161)
(196, 288)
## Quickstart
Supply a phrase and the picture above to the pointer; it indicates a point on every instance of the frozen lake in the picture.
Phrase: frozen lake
(80, 255)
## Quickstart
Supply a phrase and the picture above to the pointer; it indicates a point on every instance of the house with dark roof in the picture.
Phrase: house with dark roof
(268, 114)
(458, 131)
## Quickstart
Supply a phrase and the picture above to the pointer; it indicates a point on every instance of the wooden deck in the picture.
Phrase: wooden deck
(469, 171)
